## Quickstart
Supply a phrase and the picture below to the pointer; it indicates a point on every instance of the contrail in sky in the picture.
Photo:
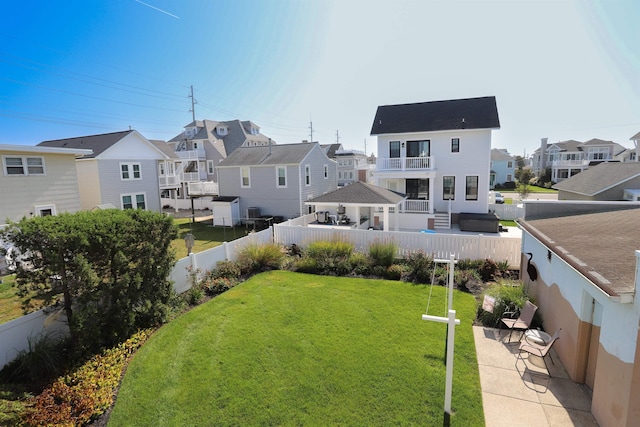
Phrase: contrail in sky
(158, 9)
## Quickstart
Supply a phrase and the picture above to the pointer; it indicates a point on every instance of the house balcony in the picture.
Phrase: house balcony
(192, 154)
(203, 188)
(194, 176)
(569, 163)
(169, 181)
(412, 206)
(405, 167)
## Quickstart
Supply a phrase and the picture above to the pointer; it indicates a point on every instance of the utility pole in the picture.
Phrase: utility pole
(365, 146)
(311, 130)
(193, 105)
(337, 138)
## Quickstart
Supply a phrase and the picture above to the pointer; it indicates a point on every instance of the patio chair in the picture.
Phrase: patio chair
(538, 350)
(523, 322)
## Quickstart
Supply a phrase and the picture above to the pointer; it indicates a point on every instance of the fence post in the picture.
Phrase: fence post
(227, 257)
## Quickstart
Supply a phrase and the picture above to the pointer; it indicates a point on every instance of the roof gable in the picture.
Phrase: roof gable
(97, 143)
(471, 113)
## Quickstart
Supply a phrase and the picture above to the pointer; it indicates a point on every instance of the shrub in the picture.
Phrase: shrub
(383, 253)
(488, 270)
(419, 267)
(360, 264)
(509, 296)
(256, 258)
(462, 278)
(331, 258)
(44, 359)
(509, 185)
(306, 265)
(86, 393)
(227, 269)
(216, 285)
(394, 272)
(469, 264)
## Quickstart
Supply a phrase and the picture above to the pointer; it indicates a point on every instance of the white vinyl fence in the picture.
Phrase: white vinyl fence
(507, 212)
(438, 245)
(15, 335)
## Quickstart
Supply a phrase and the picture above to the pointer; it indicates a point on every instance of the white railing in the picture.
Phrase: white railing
(405, 163)
(411, 205)
(191, 154)
(203, 188)
(557, 163)
(193, 176)
(169, 181)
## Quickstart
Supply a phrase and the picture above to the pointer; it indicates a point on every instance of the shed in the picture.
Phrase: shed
(226, 210)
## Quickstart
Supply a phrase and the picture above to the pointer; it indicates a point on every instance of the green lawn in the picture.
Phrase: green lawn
(10, 303)
(206, 235)
(293, 349)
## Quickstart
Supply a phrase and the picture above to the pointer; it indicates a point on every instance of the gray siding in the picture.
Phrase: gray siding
(273, 200)
(112, 186)
(59, 187)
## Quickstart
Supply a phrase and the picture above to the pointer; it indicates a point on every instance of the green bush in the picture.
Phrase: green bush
(45, 358)
(306, 265)
(419, 267)
(329, 257)
(462, 278)
(216, 285)
(360, 264)
(256, 258)
(489, 270)
(227, 269)
(383, 253)
(510, 296)
(469, 264)
(394, 272)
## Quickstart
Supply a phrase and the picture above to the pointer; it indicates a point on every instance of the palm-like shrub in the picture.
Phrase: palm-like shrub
(255, 258)
(383, 253)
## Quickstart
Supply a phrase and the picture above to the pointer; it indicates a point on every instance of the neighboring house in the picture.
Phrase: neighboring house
(588, 272)
(635, 156)
(122, 170)
(568, 158)
(353, 166)
(276, 179)
(438, 154)
(38, 181)
(603, 182)
(203, 144)
(503, 167)
(330, 149)
(363, 205)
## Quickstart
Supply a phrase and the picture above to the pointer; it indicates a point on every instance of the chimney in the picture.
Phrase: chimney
(269, 146)
(543, 154)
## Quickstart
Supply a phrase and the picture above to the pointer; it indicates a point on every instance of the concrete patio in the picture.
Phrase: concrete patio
(523, 394)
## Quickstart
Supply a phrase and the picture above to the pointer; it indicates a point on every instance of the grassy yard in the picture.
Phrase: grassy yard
(10, 303)
(293, 349)
(206, 235)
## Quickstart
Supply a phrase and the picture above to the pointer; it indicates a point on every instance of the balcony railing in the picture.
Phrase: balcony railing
(560, 163)
(203, 188)
(191, 154)
(411, 206)
(194, 176)
(169, 181)
(405, 163)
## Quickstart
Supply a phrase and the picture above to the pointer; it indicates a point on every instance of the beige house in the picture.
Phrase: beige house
(587, 271)
(38, 181)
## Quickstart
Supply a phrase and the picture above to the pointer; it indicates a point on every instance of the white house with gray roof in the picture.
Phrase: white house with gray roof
(568, 158)
(277, 179)
(437, 153)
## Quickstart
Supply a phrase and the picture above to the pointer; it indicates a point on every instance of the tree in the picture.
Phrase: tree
(108, 268)
(524, 176)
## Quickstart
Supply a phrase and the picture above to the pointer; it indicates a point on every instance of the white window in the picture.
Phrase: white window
(162, 171)
(509, 164)
(130, 171)
(245, 177)
(23, 165)
(222, 130)
(307, 175)
(281, 176)
(210, 168)
(133, 201)
(326, 171)
(509, 178)
(339, 174)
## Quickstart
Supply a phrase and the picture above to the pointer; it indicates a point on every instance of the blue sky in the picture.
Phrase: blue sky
(560, 69)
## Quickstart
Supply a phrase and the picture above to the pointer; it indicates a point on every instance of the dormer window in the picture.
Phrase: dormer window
(222, 130)
(254, 131)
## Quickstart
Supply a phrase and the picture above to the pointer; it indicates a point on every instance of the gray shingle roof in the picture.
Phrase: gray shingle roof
(599, 178)
(361, 193)
(471, 113)
(97, 143)
(165, 148)
(599, 245)
(282, 154)
(497, 155)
